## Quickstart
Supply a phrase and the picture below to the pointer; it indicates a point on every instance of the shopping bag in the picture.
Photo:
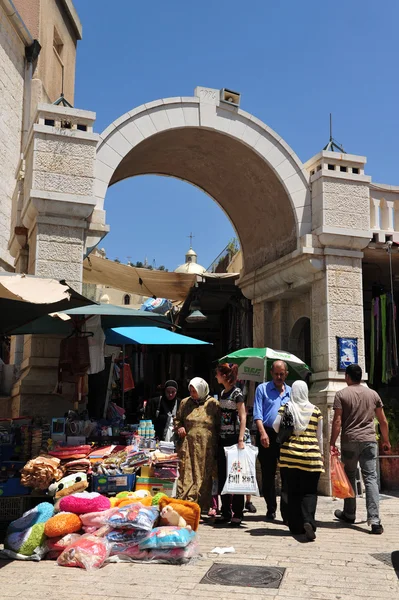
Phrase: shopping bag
(340, 484)
(241, 470)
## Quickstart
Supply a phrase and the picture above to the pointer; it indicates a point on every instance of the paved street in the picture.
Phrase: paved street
(339, 565)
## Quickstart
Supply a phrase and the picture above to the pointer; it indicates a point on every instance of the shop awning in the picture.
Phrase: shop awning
(25, 298)
(161, 284)
(111, 316)
(148, 336)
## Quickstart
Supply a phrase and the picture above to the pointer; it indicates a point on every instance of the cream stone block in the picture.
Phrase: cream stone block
(131, 133)
(208, 116)
(59, 233)
(251, 135)
(153, 104)
(103, 172)
(173, 100)
(286, 169)
(264, 145)
(59, 270)
(100, 188)
(191, 115)
(145, 125)
(176, 116)
(73, 147)
(159, 117)
(119, 143)
(108, 156)
(70, 184)
(295, 183)
(59, 251)
(64, 164)
(237, 128)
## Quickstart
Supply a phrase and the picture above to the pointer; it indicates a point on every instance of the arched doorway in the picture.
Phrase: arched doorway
(235, 158)
(299, 341)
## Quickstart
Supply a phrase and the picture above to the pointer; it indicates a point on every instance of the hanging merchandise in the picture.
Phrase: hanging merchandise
(383, 343)
(96, 345)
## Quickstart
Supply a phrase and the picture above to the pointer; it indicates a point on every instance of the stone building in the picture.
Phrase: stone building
(313, 235)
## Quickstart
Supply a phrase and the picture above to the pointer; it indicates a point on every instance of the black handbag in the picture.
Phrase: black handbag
(286, 426)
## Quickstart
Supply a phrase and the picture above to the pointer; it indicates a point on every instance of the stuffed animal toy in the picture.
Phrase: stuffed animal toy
(25, 542)
(173, 518)
(157, 498)
(190, 511)
(40, 514)
(68, 485)
(85, 502)
(62, 524)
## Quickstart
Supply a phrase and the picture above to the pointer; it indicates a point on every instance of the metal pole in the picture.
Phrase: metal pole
(123, 376)
(395, 352)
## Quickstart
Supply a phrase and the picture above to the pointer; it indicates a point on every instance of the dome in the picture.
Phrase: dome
(191, 268)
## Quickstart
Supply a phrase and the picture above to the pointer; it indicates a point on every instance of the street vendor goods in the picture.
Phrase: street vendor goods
(172, 517)
(88, 552)
(134, 515)
(62, 524)
(85, 502)
(40, 514)
(40, 472)
(25, 542)
(71, 484)
(190, 511)
(167, 537)
(54, 546)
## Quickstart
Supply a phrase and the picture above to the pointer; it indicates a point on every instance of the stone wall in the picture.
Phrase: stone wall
(11, 112)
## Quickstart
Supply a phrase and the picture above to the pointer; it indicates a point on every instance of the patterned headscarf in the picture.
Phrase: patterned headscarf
(201, 387)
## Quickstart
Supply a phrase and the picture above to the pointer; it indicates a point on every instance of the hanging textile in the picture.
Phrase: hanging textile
(383, 344)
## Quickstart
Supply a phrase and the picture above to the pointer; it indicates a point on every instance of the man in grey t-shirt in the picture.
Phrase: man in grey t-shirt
(355, 408)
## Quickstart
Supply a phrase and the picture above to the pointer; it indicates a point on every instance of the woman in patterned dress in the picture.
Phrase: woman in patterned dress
(197, 425)
(302, 458)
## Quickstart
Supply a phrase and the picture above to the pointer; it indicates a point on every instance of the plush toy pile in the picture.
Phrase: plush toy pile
(87, 529)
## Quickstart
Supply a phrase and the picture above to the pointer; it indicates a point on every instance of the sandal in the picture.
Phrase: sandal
(212, 512)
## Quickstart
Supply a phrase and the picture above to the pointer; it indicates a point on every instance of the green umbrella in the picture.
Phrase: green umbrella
(254, 364)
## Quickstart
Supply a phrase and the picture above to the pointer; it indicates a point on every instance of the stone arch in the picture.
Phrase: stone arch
(299, 340)
(240, 162)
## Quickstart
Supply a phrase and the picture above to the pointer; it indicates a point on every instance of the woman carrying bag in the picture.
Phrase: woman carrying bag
(232, 431)
(301, 454)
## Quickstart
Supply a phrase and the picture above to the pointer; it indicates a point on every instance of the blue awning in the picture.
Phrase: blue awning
(148, 336)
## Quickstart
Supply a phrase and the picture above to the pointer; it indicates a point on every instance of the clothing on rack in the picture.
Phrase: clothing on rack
(383, 345)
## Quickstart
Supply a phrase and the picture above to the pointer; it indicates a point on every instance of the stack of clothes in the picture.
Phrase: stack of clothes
(40, 472)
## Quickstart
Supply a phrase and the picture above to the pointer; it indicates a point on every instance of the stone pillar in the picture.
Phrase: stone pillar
(56, 212)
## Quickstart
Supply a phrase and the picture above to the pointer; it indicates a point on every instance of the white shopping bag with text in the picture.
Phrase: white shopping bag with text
(241, 470)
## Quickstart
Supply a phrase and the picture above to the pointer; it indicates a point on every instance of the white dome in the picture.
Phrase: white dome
(191, 268)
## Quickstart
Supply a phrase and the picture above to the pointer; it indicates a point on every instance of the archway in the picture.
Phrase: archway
(299, 341)
(235, 158)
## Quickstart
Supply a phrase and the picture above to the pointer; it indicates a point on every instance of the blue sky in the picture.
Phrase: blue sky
(293, 61)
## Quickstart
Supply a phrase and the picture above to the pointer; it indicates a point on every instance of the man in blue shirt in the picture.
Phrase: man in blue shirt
(269, 397)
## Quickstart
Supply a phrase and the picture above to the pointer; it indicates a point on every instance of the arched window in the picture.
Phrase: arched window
(126, 299)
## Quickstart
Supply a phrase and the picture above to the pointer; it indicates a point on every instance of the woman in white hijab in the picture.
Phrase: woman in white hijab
(302, 457)
(197, 422)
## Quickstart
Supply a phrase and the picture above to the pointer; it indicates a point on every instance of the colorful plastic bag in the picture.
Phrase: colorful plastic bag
(340, 485)
(88, 552)
(167, 537)
(241, 470)
(134, 515)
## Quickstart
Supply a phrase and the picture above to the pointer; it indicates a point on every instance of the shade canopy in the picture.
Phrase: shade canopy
(149, 336)
(26, 298)
(254, 364)
(131, 280)
(111, 316)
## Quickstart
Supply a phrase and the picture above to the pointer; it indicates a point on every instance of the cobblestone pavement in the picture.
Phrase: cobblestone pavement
(340, 565)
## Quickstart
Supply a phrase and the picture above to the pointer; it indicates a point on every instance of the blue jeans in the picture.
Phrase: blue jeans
(366, 454)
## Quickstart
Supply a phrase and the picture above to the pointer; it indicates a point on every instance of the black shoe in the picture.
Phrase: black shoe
(235, 522)
(270, 516)
(377, 529)
(309, 532)
(250, 507)
(222, 520)
(342, 517)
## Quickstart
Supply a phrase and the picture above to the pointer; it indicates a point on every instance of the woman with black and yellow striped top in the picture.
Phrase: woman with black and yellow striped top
(302, 458)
